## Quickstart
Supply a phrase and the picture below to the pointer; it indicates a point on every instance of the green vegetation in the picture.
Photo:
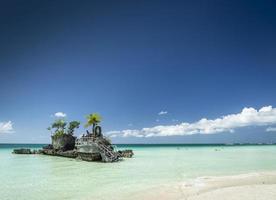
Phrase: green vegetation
(59, 127)
(92, 120)
(72, 126)
(58, 134)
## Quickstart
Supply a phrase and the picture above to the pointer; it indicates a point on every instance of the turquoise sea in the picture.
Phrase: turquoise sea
(31, 177)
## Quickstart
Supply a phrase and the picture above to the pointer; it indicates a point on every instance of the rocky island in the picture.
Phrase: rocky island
(92, 146)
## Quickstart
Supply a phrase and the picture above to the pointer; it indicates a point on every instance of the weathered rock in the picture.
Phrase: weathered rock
(27, 151)
(72, 153)
(68, 154)
(53, 152)
(22, 151)
(64, 142)
(50, 152)
(89, 156)
(128, 153)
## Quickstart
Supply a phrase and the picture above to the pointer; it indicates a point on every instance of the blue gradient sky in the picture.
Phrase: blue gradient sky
(129, 60)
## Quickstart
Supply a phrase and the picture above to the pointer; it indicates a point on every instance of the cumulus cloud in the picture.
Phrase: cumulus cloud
(60, 115)
(163, 112)
(271, 129)
(6, 127)
(247, 117)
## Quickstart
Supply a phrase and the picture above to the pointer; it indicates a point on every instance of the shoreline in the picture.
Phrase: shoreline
(248, 186)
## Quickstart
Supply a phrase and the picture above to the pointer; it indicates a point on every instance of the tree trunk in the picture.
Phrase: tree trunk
(93, 129)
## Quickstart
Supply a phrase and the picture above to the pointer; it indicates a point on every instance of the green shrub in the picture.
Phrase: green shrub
(58, 134)
(59, 127)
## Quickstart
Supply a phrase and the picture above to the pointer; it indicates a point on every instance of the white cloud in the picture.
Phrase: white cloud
(6, 127)
(247, 117)
(271, 129)
(60, 115)
(163, 112)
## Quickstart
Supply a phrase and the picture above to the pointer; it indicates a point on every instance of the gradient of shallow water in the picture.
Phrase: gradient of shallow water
(44, 177)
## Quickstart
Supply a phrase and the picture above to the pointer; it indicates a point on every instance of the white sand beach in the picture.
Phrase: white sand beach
(253, 186)
(246, 192)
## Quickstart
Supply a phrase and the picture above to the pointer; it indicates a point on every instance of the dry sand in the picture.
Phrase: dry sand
(253, 186)
(246, 192)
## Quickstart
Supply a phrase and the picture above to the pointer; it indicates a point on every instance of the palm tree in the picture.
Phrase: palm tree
(92, 120)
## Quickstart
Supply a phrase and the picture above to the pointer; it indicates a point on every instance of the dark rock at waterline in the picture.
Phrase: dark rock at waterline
(49, 150)
(68, 154)
(22, 151)
(89, 156)
(73, 154)
(128, 153)
(54, 152)
(25, 151)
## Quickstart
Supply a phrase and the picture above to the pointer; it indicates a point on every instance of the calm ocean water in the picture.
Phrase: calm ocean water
(44, 177)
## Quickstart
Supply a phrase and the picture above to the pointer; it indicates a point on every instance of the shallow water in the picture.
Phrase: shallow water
(45, 177)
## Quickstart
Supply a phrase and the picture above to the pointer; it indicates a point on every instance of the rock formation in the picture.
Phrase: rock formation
(90, 147)
(128, 153)
(48, 150)
(63, 142)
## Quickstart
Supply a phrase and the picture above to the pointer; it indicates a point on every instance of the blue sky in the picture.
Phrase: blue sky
(130, 60)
